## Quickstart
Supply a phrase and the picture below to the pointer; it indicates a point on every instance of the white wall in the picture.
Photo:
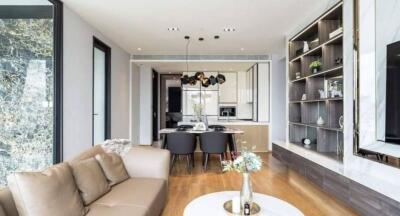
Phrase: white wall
(146, 109)
(263, 91)
(77, 89)
(278, 95)
(135, 107)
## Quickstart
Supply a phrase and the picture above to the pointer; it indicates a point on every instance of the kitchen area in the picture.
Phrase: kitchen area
(235, 98)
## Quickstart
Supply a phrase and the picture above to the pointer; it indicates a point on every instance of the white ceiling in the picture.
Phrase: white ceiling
(178, 67)
(260, 24)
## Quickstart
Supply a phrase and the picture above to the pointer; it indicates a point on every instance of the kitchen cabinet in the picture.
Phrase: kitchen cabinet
(228, 90)
(244, 105)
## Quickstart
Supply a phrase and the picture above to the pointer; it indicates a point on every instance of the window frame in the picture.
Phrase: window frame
(36, 11)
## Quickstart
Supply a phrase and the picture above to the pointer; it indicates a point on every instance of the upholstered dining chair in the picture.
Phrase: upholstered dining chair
(181, 143)
(213, 143)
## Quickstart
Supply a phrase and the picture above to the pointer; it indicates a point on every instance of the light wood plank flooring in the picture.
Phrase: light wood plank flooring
(274, 179)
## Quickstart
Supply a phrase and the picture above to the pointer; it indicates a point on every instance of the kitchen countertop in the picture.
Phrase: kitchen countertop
(226, 122)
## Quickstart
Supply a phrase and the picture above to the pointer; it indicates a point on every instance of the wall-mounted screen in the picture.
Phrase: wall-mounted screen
(392, 126)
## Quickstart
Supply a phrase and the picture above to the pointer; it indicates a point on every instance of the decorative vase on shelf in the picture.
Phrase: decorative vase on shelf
(306, 47)
(341, 119)
(246, 194)
(320, 121)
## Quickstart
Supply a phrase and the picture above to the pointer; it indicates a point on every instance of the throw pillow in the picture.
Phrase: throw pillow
(90, 179)
(48, 193)
(113, 167)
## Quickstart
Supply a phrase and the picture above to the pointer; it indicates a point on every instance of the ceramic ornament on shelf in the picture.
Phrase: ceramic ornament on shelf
(306, 47)
(298, 75)
(304, 97)
(306, 142)
(341, 122)
(320, 121)
(322, 94)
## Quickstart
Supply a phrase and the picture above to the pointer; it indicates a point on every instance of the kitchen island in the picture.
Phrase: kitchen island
(255, 134)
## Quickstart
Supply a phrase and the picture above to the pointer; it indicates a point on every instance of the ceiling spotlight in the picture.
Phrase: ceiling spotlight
(229, 29)
(201, 39)
(216, 37)
(139, 49)
(173, 29)
(241, 49)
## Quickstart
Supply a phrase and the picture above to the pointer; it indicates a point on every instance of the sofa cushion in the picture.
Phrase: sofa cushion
(7, 202)
(113, 168)
(119, 210)
(46, 193)
(2, 212)
(90, 180)
(147, 193)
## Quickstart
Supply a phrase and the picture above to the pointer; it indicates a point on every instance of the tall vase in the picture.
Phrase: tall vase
(246, 194)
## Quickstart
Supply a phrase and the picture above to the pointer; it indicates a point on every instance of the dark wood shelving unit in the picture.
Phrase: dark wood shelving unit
(327, 139)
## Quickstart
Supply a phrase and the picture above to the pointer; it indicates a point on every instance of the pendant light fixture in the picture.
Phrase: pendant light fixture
(199, 76)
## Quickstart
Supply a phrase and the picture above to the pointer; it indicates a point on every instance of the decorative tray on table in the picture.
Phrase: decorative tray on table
(254, 211)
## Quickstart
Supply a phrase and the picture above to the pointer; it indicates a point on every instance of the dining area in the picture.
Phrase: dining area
(186, 140)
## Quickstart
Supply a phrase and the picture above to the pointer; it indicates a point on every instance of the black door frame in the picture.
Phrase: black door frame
(107, 50)
(155, 105)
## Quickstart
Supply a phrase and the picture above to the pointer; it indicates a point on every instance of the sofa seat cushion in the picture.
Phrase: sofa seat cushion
(120, 210)
(147, 195)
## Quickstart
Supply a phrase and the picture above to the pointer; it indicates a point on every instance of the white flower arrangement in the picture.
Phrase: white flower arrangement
(247, 162)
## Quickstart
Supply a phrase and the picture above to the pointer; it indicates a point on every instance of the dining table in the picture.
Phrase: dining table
(233, 135)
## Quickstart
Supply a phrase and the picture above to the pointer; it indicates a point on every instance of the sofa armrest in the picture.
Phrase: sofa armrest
(147, 162)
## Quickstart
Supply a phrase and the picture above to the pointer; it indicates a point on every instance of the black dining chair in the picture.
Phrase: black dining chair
(213, 143)
(217, 127)
(181, 143)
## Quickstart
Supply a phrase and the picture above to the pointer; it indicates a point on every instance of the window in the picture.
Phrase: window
(30, 85)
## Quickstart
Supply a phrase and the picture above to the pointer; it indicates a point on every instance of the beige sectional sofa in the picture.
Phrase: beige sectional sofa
(143, 193)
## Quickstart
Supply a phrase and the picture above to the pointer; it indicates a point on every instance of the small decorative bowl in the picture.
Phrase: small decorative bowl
(254, 211)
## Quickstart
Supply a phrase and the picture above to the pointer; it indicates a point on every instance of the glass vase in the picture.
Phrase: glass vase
(246, 194)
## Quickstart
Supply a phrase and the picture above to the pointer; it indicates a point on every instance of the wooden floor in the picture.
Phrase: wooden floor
(274, 179)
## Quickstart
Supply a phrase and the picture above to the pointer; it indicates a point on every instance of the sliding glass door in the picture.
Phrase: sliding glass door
(30, 85)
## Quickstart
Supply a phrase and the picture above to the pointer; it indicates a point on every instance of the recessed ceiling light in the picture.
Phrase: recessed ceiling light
(139, 49)
(241, 49)
(173, 29)
(229, 29)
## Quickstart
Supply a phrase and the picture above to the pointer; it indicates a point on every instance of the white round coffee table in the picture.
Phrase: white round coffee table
(211, 205)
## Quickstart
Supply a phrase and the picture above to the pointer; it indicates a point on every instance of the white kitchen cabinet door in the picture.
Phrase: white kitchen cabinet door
(210, 102)
(228, 90)
(189, 98)
(263, 92)
(244, 107)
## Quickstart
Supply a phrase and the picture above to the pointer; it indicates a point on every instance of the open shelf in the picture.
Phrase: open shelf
(323, 90)
(332, 72)
(313, 147)
(317, 50)
(314, 125)
(317, 100)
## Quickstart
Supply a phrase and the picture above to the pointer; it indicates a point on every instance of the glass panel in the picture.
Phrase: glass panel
(26, 92)
(190, 98)
(209, 100)
(99, 103)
